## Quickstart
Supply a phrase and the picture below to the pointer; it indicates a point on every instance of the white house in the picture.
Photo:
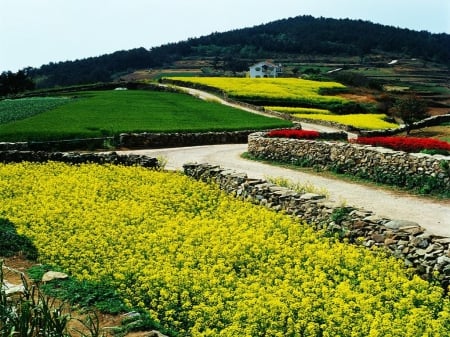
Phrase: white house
(265, 69)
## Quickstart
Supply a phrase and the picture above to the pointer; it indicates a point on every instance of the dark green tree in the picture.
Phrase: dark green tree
(410, 109)
(14, 83)
(385, 103)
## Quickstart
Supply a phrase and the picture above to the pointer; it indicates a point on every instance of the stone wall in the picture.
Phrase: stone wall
(59, 145)
(429, 174)
(134, 141)
(78, 158)
(159, 140)
(403, 239)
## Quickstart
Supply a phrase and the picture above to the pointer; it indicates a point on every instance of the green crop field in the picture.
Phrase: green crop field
(17, 109)
(104, 113)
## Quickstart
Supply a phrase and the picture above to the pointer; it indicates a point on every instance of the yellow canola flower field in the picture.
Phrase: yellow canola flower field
(293, 89)
(205, 264)
(297, 110)
(361, 121)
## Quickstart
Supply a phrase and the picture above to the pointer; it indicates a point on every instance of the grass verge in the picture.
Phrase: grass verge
(347, 178)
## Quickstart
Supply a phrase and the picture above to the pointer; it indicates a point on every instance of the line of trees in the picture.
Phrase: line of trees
(234, 50)
(14, 83)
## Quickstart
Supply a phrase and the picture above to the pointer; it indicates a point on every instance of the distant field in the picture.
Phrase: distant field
(272, 91)
(303, 99)
(16, 109)
(105, 113)
(360, 121)
(294, 110)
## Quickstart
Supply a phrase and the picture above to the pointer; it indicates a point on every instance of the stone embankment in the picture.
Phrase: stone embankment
(164, 140)
(406, 240)
(145, 140)
(430, 173)
(78, 158)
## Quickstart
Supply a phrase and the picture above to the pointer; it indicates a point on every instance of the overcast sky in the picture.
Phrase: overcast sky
(36, 32)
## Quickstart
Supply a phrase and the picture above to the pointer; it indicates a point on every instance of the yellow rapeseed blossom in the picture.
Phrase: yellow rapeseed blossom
(205, 264)
(362, 121)
(297, 110)
(294, 89)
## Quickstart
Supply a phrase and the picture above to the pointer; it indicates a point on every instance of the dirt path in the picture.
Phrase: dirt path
(432, 215)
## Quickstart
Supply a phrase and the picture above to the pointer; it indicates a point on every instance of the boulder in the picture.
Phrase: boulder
(54, 275)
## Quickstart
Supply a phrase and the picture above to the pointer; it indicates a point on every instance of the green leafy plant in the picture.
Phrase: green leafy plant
(82, 293)
(32, 314)
(340, 214)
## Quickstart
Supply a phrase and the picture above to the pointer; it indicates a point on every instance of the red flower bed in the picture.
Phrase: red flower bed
(297, 134)
(407, 144)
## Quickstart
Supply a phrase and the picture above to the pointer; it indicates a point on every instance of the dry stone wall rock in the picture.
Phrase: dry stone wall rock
(78, 158)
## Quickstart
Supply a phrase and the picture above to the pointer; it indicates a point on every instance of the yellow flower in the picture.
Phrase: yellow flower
(205, 264)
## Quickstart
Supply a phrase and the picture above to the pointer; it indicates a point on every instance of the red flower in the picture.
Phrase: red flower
(407, 144)
(292, 133)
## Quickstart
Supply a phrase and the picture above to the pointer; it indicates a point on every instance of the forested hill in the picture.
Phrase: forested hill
(236, 49)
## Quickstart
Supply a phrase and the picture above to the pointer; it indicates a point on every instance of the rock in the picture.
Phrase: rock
(155, 333)
(420, 242)
(443, 241)
(373, 219)
(414, 230)
(443, 260)
(397, 224)
(311, 196)
(435, 247)
(54, 275)
(360, 213)
(389, 242)
(132, 315)
(378, 238)
(420, 252)
(12, 289)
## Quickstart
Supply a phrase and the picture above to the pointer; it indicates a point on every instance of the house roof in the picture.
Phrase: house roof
(259, 64)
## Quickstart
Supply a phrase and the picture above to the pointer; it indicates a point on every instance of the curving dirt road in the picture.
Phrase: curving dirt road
(430, 214)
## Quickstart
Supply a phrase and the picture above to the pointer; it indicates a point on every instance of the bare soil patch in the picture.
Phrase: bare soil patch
(359, 98)
(441, 132)
(21, 265)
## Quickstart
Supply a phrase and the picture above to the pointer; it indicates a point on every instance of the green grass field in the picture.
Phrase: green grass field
(16, 109)
(105, 113)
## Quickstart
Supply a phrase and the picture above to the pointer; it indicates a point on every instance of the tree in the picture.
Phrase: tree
(14, 83)
(385, 103)
(410, 109)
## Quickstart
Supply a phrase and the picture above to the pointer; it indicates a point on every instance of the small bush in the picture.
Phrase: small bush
(82, 293)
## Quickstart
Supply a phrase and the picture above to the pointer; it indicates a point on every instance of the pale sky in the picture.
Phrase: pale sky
(36, 32)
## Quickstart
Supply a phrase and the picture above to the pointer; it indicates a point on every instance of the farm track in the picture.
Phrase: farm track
(434, 215)
(431, 214)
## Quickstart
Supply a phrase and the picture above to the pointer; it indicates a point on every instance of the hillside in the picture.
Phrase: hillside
(295, 39)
